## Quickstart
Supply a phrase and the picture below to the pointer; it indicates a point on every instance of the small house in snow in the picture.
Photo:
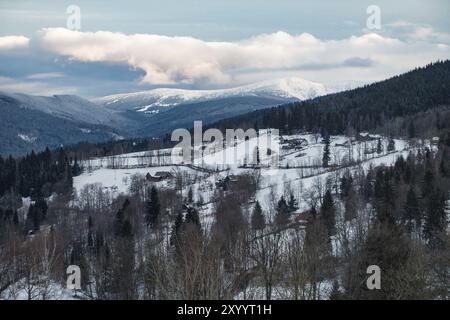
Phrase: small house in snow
(435, 140)
(159, 176)
(164, 175)
(365, 136)
(304, 217)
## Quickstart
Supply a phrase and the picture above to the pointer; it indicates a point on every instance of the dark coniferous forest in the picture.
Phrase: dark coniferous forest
(412, 104)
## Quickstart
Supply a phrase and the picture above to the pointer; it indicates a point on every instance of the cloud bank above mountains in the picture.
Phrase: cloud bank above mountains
(187, 61)
(171, 60)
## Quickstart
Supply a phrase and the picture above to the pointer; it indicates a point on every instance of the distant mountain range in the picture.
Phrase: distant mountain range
(34, 122)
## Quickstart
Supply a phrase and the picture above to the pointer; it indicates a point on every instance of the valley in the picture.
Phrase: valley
(150, 113)
(295, 204)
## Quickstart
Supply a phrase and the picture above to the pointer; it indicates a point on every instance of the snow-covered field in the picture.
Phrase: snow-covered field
(295, 164)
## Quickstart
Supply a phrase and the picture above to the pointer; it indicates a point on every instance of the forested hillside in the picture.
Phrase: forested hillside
(34, 123)
(414, 103)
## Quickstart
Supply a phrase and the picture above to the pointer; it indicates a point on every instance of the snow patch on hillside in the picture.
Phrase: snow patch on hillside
(27, 138)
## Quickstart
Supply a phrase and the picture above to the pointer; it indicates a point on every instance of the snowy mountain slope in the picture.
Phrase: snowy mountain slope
(156, 100)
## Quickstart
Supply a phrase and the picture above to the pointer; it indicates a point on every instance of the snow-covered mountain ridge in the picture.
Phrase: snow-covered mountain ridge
(151, 100)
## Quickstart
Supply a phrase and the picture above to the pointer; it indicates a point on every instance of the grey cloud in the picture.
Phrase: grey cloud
(358, 62)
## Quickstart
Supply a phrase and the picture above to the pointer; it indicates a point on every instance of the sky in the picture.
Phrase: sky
(127, 46)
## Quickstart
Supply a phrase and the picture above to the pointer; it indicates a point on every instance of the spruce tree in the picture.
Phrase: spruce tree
(190, 196)
(292, 203)
(444, 166)
(326, 152)
(346, 185)
(153, 208)
(90, 234)
(192, 217)
(391, 145)
(335, 293)
(192, 225)
(42, 206)
(257, 220)
(122, 224)
(15, 218)
(328, 213)
(176, 229)
(76, 169)
(386, 247)
(411, 211)
(282, 216)
(34, 217)
(435, 218)
(428, 183)
(379, 147)
(411, 130)
(124, 260)
(258, 157)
